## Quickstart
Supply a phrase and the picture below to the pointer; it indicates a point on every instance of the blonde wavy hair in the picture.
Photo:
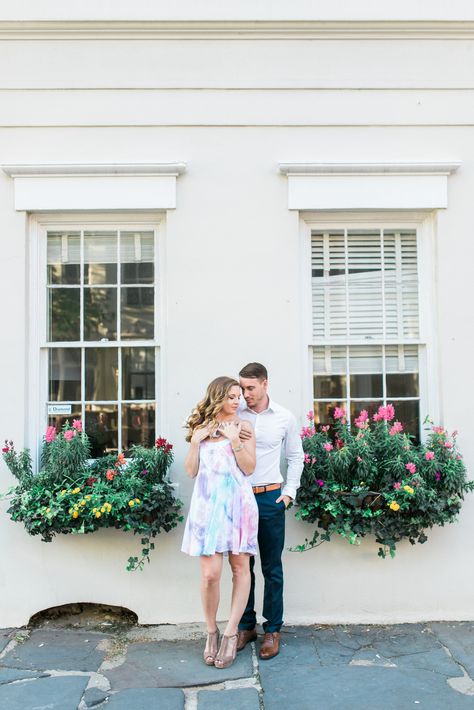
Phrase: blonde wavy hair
(206, 411)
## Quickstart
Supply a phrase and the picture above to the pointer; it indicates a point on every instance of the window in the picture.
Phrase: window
(366, 347)
(101, 340)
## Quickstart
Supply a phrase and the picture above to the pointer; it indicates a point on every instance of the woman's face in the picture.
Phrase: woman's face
(231, 402)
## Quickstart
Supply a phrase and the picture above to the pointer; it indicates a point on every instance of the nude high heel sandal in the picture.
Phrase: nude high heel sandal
(210, 650)
(227, 651)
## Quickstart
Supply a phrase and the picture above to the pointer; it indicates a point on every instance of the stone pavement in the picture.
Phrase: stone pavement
(79, 663)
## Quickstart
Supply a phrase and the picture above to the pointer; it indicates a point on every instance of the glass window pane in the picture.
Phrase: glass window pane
(100, 314)
(100, 257)
(365, 360)
(408, 413)
(323, 411)
(137, 313)
(138, 425)
(403, 385)
(64, 375)
(370, 407)
(137, 257)
(102, 428)
(59, 420)
(366, 386)
(138, 373)
(64, 256)
(63, 314)
(101, 374)
(329, 387)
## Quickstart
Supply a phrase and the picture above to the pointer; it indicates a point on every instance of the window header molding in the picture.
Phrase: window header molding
(368, 186)
(130, 186)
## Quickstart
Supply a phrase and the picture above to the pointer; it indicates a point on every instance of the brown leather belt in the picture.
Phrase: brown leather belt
(264, 489)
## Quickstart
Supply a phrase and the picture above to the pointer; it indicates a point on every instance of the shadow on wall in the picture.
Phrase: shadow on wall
(85, 615)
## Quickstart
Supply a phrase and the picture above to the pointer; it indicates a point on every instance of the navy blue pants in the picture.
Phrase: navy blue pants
(271, 539)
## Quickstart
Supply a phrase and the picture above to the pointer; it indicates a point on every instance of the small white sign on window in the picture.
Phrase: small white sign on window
(59, 409)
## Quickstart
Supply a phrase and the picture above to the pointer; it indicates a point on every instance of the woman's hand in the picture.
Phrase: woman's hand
(231, 430)
(200, 434)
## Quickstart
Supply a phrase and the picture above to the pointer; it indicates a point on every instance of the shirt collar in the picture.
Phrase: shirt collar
(271, 407)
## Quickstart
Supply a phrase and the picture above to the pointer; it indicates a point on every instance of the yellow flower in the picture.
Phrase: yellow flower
(131, 503)
(394, 505)
(137, 500)
(103, 509)
(63, 492)
(75, 514)
(70, 511)
(76, 490)
(98, 514)
(87, 497)
(48, 510)
(108, 507)
(408, 489)
(83, 502)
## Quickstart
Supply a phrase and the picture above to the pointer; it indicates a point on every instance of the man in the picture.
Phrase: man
(275, 427)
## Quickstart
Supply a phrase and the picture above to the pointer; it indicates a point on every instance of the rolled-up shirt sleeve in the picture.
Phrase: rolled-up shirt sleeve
(295, 458)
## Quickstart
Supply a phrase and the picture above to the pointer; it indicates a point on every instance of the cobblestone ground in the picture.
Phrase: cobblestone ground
(78, 663)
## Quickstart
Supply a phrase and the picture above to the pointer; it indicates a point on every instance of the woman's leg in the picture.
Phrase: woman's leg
(240, 590)
(211, 569)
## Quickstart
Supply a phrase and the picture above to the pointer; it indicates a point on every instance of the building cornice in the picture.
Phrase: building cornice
(95, 170)
(309, 29)
(368, 168)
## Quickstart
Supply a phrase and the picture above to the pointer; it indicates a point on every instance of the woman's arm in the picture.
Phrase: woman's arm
(191, 462)
(244, 451)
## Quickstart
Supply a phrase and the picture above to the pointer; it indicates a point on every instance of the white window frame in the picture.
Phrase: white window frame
(37, 349)
(425, 225)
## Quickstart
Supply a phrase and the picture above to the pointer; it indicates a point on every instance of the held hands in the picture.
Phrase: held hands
(231, 430)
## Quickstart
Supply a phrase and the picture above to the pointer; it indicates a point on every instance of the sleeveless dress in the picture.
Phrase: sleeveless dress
(223, 515)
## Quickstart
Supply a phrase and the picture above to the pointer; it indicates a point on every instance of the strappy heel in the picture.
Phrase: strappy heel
(227, 651)
(210, 650)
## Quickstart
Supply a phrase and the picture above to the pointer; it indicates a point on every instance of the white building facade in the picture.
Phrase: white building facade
(176, 186)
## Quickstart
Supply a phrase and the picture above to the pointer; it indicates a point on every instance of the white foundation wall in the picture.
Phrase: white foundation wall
(231, 264)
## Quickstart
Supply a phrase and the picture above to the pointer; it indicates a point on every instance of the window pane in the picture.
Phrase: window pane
(59, 420)
(63, 314)
(137, 257)
(101, 374)
(100, 314)
(138, 425)
(100, 257)
(366, 386)
(370, 407)
(329, 387)
(64, 375)
(137, 313)
(323, 411)
(64, 252)
(102, 428)
(408, 413)
(403, 385)
(138, 373)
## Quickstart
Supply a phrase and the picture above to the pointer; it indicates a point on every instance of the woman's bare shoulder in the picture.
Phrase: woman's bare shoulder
(246, 426)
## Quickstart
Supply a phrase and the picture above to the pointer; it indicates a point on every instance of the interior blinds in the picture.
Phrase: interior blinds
(364, 285)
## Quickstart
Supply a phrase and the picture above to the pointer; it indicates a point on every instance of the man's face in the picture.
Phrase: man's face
(254, 391)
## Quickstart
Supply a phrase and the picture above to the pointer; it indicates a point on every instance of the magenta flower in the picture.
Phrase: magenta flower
(429, 456)
(320, 482)
(69, 434)
(50, 434)
(448, 445)
(411, 467)
(397, 485)
(339, 413)
(328, 447)
(307, 432)
(5, 450)
(77, 425)
(307, 458)
(396, 428)
(361, 421)
(438, 475)
(144, 472)
(386, 413)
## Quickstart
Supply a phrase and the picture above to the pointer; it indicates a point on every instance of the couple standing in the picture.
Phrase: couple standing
(237, 502)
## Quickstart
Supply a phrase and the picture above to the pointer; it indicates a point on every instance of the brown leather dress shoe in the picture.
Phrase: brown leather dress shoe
(245, 636)
(270, 646)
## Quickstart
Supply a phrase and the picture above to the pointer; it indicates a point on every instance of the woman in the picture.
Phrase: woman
(223, 516)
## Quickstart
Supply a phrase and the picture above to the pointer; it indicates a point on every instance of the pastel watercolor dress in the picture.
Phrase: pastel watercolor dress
(223, 515)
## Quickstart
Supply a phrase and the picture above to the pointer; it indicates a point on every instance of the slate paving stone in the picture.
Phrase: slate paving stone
(330, 651)
(6, 636)
(60, 693)
(348, 687)
(146, 699)
(294, 650)
(241, 698)
(94, 696)
(177, 664)
(436, 659)
(58, 649)
(7, 675)
(404, 639)
(459, 638)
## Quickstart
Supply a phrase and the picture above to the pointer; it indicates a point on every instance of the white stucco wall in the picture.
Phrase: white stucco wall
(232, 109)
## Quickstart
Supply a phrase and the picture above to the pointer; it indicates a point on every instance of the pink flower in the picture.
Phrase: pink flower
(77, 425)
(320, 482)
(50, 434)
(396, 428)
(69, 434)
(448, 445)
(361, 421)
(438, 429)
(5, 450)
(307, 458)
(307, 432)
(397, 485)
(110, 474)
(411, 467)
(455, 433)
(438, 475)
(339, 413)
(325, 428)
(310, 416)
(429, 456)
(386, 413)
(313, 460)
(359, 459)
(328, 447)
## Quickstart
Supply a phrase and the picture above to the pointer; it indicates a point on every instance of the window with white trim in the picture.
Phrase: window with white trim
(101, 332)
(366, 344)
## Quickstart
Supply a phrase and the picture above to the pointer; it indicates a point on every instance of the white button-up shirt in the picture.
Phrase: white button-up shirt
(276, 432)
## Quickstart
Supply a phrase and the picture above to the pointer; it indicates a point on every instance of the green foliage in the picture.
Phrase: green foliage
(376, 480)
(69, 495)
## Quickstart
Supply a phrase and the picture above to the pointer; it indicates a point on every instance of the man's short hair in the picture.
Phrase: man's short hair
(254, 369)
